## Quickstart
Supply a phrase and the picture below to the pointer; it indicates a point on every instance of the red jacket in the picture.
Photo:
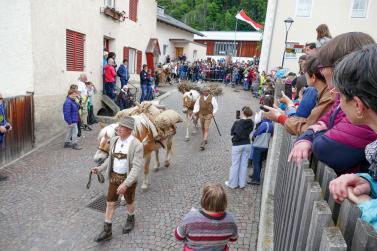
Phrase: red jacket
(110, 74)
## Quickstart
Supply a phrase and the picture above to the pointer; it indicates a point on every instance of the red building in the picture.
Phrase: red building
(221, 44)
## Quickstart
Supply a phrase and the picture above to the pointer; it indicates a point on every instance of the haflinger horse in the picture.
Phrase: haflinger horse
(189, 99)
(145, 131)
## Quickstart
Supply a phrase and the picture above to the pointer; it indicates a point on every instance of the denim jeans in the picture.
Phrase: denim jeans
(238, 170)
(110, 89)
(71, 135)
(257, 162)
(149, 93)
(144, 90)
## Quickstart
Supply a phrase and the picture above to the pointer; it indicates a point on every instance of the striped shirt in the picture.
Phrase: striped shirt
(207, 232)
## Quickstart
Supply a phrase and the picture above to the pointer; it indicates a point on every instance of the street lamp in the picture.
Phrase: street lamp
(288, 23)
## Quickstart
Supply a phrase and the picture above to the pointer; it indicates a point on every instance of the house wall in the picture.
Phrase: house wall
(16, 62)
(51, 80)
(166, 32)
(336, 14)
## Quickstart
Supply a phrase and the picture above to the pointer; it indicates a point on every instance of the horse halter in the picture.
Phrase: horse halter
(103, 150)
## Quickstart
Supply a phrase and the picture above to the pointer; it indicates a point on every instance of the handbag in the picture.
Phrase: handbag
(262, 140)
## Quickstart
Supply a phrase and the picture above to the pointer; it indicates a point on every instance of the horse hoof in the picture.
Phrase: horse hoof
(187, 139)
(144, 187)
(167, 164)
(156, 169)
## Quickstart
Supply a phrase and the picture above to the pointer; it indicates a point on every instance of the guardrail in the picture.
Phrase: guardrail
(298, 212)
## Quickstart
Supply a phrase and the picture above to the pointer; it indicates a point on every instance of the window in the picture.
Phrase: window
(75, 50)
(132, 60)
(133, 10)
(224, 48)
(304, 8)
(109, 3)
(359, 8)
(164, 49)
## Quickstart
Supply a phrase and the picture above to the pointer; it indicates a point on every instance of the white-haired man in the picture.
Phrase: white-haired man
(84, 101)
(123, 166)
(206, 107)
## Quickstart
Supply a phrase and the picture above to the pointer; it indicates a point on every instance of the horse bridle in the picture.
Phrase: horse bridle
(103, 150)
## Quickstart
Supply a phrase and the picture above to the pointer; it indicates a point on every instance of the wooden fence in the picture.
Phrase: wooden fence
(304, 214)
(20, 114)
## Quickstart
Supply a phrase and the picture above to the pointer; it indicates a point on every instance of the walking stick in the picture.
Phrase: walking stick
(216, 124)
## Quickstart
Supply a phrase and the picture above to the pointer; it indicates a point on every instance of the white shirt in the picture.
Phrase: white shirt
(82, 88)
(121, 146)
(214, 104)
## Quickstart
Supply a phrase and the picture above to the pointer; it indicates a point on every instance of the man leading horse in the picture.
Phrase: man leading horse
(205, 107)
(123, 165)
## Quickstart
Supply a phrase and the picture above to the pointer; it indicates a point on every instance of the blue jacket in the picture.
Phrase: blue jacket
(143, 78)
(3, 120)
(262, 127)
(369, 208)
(71, 111)
(123, 73)
(308, 102)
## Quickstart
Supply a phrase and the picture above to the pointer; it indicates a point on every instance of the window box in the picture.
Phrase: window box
(115, 14)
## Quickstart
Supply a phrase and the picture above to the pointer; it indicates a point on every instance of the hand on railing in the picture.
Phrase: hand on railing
(301, 151)
(349, 186)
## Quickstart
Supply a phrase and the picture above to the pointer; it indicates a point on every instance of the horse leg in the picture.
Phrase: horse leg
(187, 137)
(147, 160)
(157, 160)
(195, 126)
(169, 143)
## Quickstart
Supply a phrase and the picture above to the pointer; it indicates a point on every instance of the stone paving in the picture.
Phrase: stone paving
(43, 202)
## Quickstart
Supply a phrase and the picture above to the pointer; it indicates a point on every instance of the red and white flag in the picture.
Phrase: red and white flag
(242, 16)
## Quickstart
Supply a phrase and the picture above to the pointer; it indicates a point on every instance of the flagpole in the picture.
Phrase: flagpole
(235, 38)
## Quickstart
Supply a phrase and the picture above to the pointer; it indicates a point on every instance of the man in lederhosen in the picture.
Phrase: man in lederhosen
(123, 165)
(206, 106)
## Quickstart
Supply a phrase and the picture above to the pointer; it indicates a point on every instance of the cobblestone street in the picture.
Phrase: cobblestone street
(44, 201)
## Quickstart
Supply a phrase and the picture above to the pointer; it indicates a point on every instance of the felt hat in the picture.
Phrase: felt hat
(128, 122)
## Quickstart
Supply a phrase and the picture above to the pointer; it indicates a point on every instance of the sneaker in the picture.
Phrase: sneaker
(76, 147)
(67, 145)
(227, 184)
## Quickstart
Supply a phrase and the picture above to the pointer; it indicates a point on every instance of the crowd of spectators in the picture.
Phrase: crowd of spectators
(331, 108)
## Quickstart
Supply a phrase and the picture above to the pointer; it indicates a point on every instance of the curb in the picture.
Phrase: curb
(59, 134)
(167, 94)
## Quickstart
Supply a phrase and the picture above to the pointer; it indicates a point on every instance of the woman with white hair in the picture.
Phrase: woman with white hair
(110, 75)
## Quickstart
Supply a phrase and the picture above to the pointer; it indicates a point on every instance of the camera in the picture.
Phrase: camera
(238, 114)
(7, 127)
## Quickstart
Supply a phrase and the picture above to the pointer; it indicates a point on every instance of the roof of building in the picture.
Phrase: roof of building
(230, 36)
(163, 17)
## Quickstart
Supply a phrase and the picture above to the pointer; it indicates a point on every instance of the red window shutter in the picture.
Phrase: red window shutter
(126, 53)
(75, 50)
(139, 61)
(133, 10)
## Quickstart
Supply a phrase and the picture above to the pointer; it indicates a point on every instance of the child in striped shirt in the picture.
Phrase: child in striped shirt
(209, 228)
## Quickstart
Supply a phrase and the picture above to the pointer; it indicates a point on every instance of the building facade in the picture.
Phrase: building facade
(340, 15)
(177, 39)
(46, 45)
(221, 44)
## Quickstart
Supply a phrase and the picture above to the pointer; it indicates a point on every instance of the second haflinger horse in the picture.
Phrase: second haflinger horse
(154, 127)
(189, 99)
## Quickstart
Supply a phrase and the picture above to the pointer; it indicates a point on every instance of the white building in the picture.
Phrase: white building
(220, 44)
(340, 15)
(45, 45)
(177, 38)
